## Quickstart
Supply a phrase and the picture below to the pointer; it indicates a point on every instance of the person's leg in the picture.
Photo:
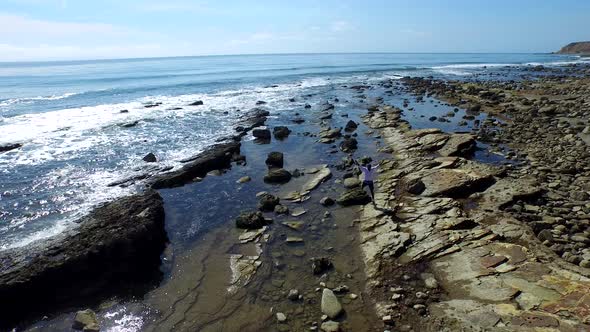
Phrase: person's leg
(372, 189)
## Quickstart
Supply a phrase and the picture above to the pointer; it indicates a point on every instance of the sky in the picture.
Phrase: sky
(40, 30)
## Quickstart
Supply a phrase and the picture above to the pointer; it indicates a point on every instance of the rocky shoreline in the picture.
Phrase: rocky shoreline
(115, 250)
(453, 243)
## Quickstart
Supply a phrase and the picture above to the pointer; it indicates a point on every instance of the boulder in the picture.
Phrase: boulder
(350, 126)
(352, 182)
(261, 133)
(458, 145)
(281, 132)
(330, 304)
(196, 103)
(267, 202)
(115, 248)
(86, 320)
(274, 160)
(277, 175)
(244, 179)
(349, 144)
(251, 220)
(218, 156)
(150, 158)
(356, 196)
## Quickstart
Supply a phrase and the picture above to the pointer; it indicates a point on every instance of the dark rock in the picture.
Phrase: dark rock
(474, 108)
(196, 103)
(327, 201)
(350, 126)
(320, 265)
(355, 196)
(277, 175)
(274, 159)
(326, 116)
(298, 120)
(115, 250)
(281, 132)
(130, 124)
(260, 102)
(292, 100)
(152, 105)
(251, 220)
(307, 106)
(281, 209)
(218, 156)
(261, 133)
(10, 146)
(150, 158)
(124, 111)
(267, 202)
(349, 144)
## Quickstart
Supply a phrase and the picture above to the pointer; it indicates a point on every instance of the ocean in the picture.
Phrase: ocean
(85, 124)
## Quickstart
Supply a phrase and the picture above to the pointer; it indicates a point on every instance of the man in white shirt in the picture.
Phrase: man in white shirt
(369, 174)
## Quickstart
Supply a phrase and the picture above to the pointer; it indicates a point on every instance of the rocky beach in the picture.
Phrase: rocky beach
(481, 221)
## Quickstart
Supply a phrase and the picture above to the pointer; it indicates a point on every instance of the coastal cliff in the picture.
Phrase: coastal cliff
(582, 48)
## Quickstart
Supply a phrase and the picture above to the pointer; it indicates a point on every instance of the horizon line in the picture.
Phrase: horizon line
(255, 54)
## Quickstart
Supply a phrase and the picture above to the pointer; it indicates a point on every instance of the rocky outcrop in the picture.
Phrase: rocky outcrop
(215, 157)
(281, 132)
(274, 159)
(582, 48)
(251, 220)
(9, 147)
(116, 246)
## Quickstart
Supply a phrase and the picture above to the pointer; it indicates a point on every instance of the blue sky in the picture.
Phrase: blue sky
(86, 29)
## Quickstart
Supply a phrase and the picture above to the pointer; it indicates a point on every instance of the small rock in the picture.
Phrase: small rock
(350, 183)
(281, 132)
(330, 304)
(196, 103)
(353, 296)
(281, 209)
(244, 179)
(330, 326)
(85, 320)
(251, 220)
(268, 202)
(293, 295)
(327, 201)
(281, 317)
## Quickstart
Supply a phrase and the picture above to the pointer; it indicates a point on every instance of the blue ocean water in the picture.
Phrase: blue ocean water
(75, 140)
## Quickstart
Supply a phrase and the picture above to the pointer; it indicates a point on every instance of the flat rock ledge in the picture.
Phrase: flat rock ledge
(495, 273)
(114, 250)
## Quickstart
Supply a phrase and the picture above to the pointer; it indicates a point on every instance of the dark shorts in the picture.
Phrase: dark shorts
(370, 184)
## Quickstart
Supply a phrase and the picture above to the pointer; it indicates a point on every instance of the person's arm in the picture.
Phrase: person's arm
(375, 166)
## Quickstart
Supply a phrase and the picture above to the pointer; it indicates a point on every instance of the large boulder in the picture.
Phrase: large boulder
(216, 157)
(150, 158)
(251, 220)
(263, 134)
(281, 132)
(454, 183)
(275, 160)
(117, 247)
(277, 175)
(351, 182)
(267, 202)
(356, 196)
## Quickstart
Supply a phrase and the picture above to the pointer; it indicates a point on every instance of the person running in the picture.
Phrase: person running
(368, 171)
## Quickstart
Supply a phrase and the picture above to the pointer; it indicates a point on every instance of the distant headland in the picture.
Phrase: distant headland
(581, 48)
